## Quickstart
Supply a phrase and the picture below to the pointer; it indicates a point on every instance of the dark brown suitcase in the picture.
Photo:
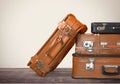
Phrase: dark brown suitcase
(104, 67)
(98, 44)
(57, 46)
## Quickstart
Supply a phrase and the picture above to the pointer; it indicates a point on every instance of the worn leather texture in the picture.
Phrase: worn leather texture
(102, 67)
(98, 44)
(57, 46)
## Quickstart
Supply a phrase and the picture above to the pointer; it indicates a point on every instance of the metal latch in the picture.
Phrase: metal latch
(39, 64)
(101, 27)
(118, 43)
(88, 45)
(90, 66)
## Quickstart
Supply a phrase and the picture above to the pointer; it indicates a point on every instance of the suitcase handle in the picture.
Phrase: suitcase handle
(111, 70)
(58, 40)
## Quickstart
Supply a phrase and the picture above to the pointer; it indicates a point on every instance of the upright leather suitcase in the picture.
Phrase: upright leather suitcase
(102, 67)
(105, 27)
(98, 44)
(57, 46)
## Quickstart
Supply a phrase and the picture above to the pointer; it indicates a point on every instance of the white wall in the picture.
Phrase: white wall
(26, 24)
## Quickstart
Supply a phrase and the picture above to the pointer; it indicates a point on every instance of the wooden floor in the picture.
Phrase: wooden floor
(25, 75)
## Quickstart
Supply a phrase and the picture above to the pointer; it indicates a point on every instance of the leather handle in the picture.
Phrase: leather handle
(57, 41)
(110, 70)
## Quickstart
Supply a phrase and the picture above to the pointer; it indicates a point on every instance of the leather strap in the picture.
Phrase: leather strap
(57, 40)
(76, 24)
(66, 29)
(71, 26)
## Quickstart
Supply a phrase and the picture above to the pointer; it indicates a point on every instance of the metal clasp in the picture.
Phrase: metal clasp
(88, 45)
(39, 64)
(102, 27)
(118, 43)
(90, 66)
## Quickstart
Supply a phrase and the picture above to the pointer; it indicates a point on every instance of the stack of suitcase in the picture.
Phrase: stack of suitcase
(96, 55)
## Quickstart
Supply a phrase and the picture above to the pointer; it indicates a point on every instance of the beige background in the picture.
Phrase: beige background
(26, 24)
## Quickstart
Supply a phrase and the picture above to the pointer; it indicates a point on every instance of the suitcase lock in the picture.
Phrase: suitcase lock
(90, 66)
(88, 45)
(101, 28)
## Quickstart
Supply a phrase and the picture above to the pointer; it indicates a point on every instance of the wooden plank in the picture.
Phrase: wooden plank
(61, 75)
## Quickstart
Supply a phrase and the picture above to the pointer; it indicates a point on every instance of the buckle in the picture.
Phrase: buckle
(63, 27)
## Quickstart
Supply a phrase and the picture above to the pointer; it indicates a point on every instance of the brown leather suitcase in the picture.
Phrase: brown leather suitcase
(98, 44)
(97, 56)
(102, 67)
(57, 46)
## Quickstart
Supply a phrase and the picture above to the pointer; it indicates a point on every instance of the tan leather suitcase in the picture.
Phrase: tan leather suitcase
(104, 67)
(57, 46)
(98, 44)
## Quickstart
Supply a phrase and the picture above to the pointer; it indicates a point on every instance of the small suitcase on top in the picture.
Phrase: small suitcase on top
(57, 46)
(105, 27)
